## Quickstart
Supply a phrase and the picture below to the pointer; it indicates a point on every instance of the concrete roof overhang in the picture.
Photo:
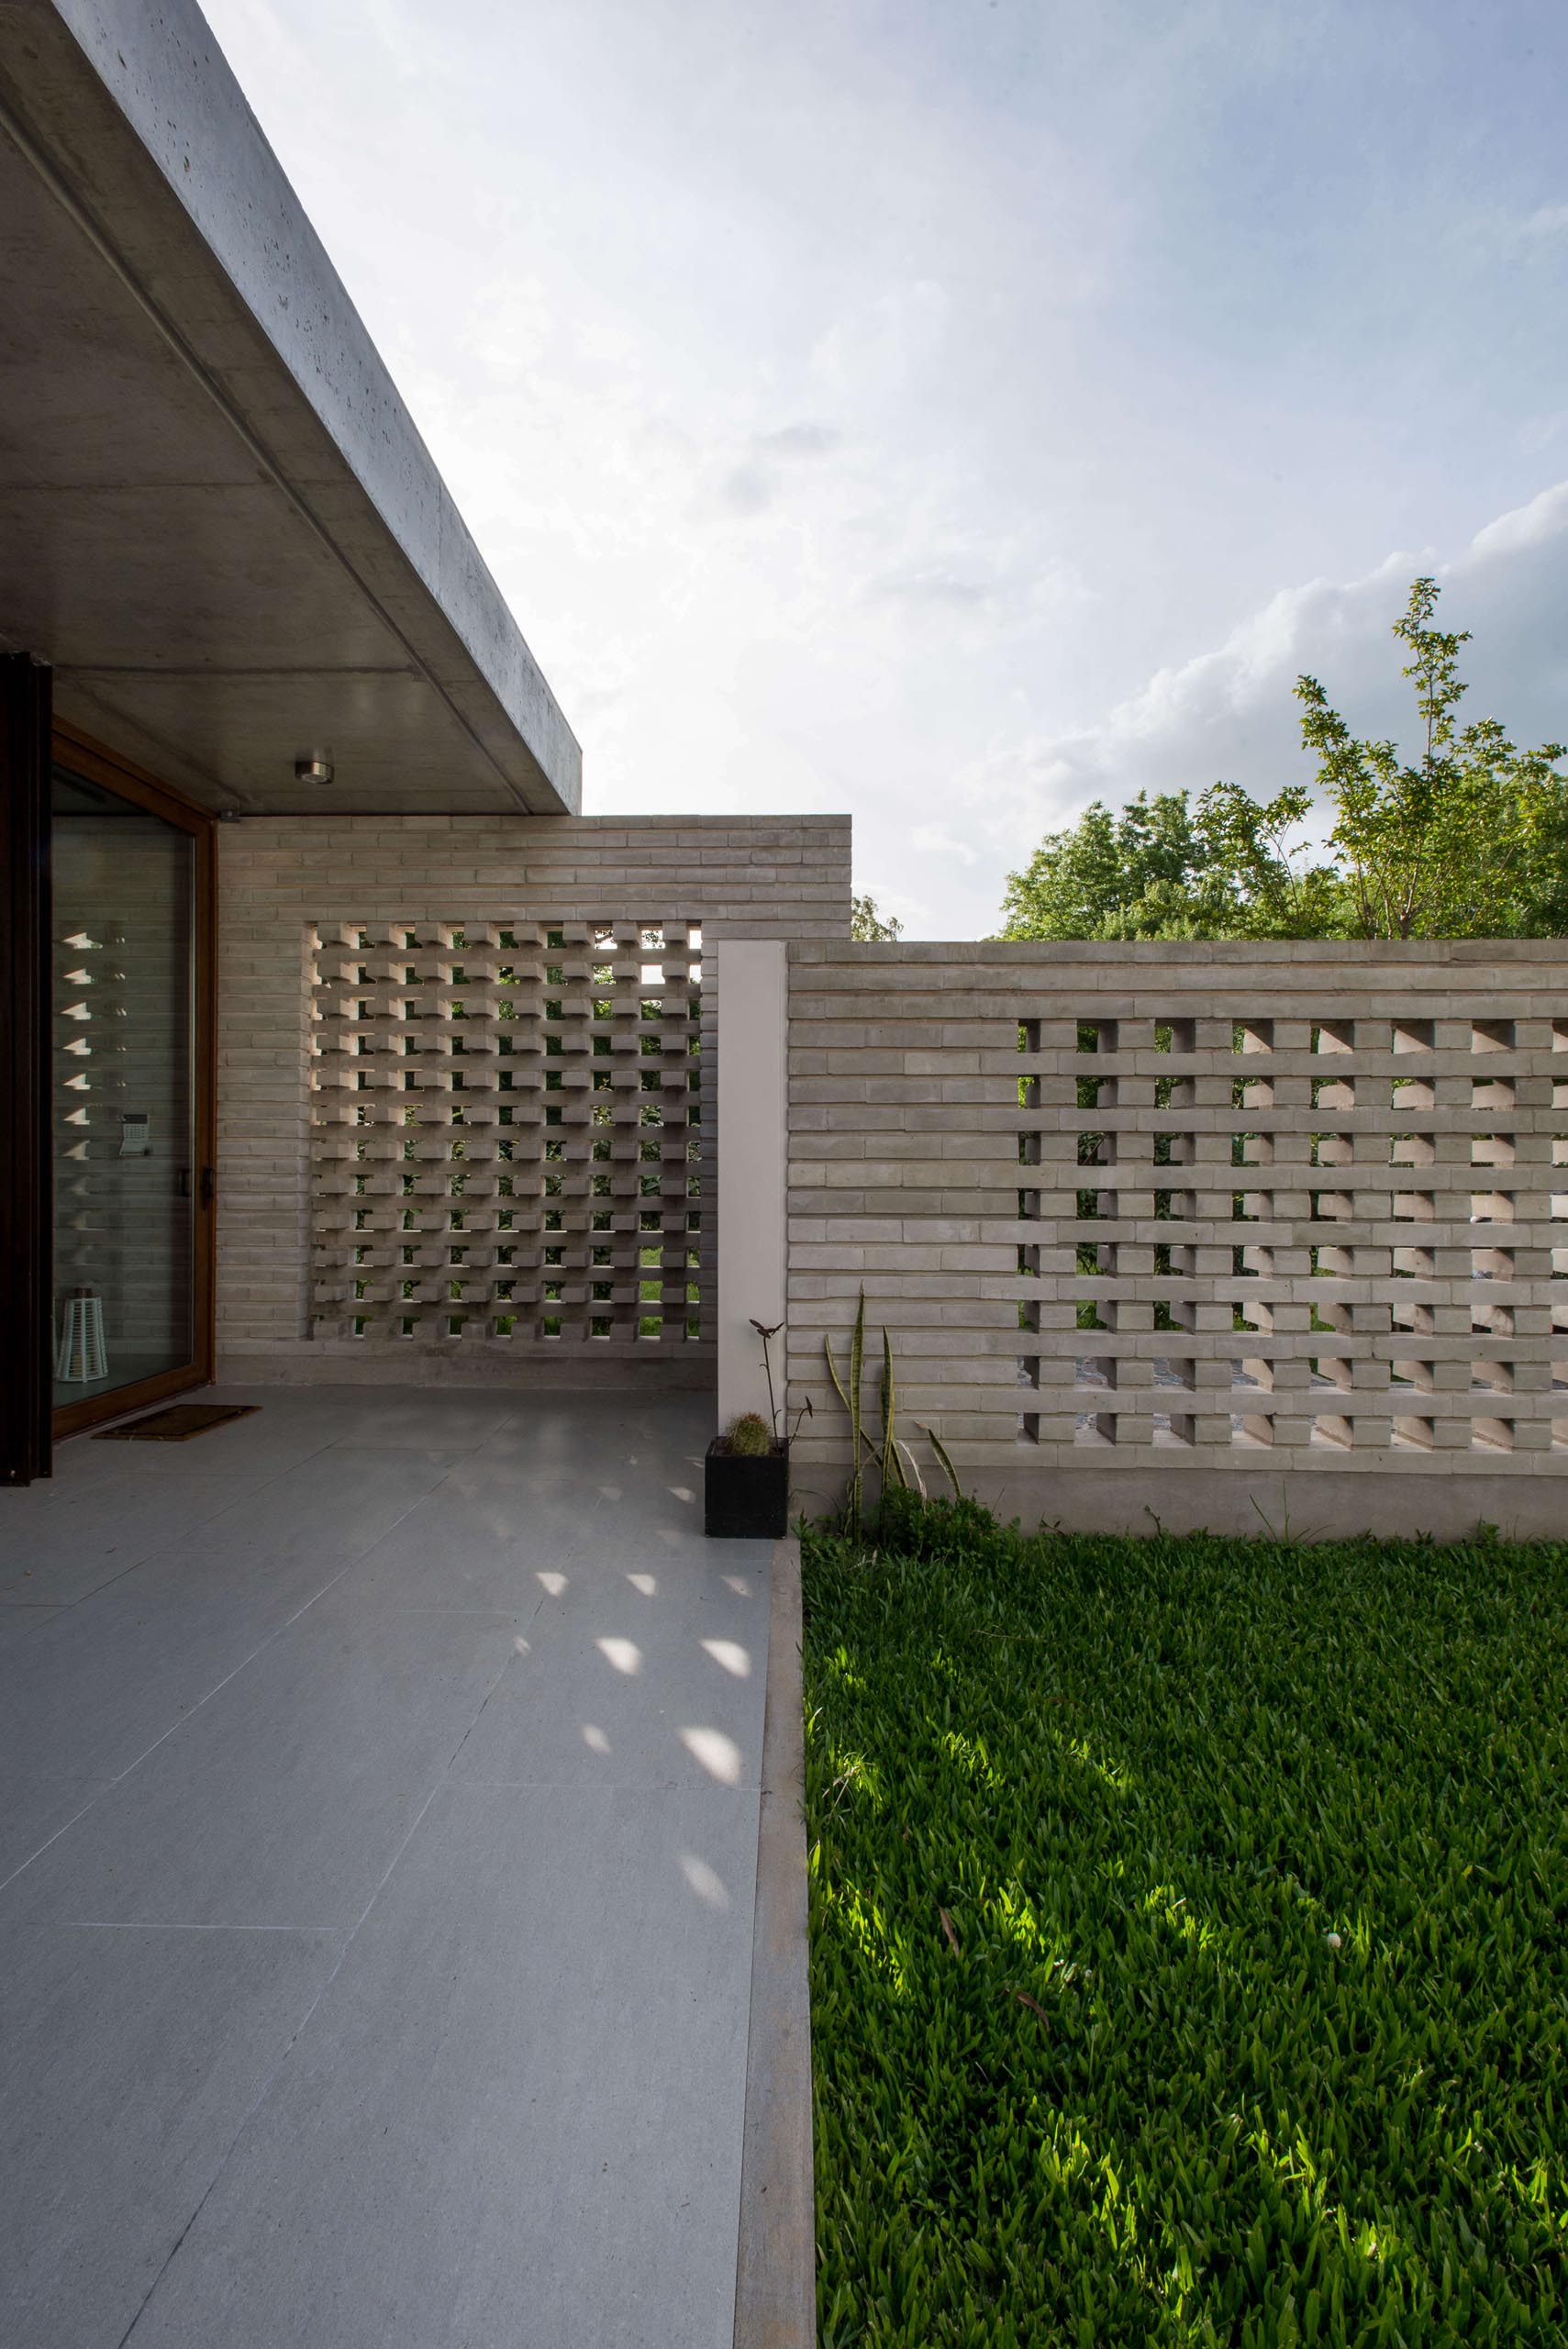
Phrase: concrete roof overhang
(217, 521)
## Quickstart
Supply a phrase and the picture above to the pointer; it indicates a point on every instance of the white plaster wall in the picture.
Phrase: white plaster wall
(753, 1150)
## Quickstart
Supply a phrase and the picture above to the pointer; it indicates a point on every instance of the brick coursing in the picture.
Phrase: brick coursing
(1308, 1215)
(285, 882)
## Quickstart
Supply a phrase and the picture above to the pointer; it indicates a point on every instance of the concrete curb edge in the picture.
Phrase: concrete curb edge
(775, 2277)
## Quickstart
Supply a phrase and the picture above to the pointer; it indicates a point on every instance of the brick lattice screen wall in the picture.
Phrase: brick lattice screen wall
(1284, 1232)
(1205, 1210)
(292, 891)
(507, 1134)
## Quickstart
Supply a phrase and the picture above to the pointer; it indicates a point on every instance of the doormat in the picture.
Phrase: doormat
(178, 1424)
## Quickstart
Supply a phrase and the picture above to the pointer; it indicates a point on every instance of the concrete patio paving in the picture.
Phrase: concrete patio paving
(379, 1856)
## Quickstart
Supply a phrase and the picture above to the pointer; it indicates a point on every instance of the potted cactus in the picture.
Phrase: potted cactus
(746, 1478)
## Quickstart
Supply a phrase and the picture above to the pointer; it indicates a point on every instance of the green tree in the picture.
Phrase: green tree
(1163, 868)
(869, 928)
(1469, 839)
(1134, 875)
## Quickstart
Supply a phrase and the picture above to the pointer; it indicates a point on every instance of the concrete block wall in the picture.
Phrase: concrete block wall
(1221, 1232)
(507, 1137)
(288, 884)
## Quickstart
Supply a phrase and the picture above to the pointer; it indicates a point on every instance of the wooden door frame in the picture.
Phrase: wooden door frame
(96, 763)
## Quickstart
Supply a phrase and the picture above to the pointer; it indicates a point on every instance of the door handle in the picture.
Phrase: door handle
(209, 1185)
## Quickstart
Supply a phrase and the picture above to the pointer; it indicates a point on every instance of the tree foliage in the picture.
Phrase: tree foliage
(868, 928)
(1469, 839)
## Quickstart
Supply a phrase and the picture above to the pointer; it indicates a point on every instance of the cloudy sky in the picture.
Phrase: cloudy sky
(953, 410)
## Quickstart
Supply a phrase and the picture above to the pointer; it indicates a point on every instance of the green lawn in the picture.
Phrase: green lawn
(1189, 1932)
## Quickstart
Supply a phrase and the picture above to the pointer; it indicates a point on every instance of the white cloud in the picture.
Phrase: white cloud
(1545, 224)
(875, 350)
(907, 413)
(1537, 433)
(1230, 715)
(934, 839)
(1537, 524)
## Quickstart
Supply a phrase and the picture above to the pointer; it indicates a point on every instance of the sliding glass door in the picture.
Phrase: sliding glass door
(131, 1092)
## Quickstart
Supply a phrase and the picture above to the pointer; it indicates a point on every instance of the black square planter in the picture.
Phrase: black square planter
(746, 1494)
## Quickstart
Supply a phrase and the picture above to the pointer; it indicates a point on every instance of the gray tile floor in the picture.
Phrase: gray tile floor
(377, 1859)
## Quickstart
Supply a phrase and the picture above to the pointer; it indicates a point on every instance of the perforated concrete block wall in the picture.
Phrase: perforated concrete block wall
(466, 1086)
(1179, 1227)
